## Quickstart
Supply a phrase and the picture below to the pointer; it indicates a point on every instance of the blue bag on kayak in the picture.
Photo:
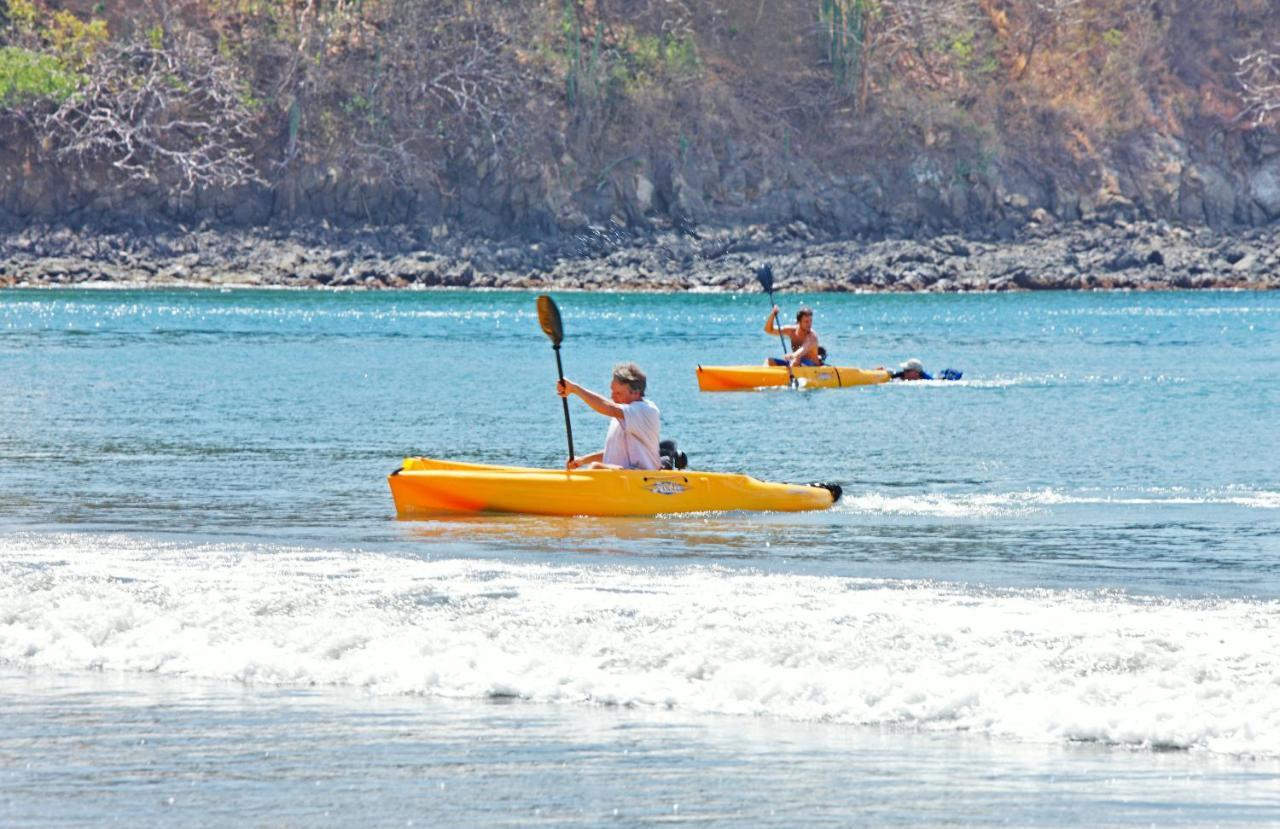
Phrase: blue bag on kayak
(950, 374)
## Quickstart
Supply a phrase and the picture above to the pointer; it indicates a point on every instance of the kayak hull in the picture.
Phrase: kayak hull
(424, 487)
(745, 378)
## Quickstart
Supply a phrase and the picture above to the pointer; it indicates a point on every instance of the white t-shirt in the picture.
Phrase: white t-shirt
(632, 441)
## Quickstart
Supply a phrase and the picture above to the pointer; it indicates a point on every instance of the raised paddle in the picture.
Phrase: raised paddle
(549, 319)
(764, 274)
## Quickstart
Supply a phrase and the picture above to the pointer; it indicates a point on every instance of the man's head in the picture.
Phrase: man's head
(804, 319)
(628, 383)
(912, 369)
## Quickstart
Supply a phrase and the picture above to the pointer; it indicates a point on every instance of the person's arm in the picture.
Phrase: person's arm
(594, 457)
(809, 348)
(603, 405)
(770, 324)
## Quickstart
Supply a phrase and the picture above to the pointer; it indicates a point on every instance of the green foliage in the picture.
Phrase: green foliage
(21, 15)
(968, 53)
(248, 100)
(681, 56)
(648, 59)
(155, 36)
(361, 108)
(654, 56)
(972, 167)
(961, 47)
(631, 62)
(1113, 38)
(74, 40)
(26, 77)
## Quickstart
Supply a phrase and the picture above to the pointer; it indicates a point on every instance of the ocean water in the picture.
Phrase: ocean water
(1050, 595)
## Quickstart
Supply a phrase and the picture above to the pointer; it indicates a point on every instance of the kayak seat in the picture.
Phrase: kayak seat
(672, 457)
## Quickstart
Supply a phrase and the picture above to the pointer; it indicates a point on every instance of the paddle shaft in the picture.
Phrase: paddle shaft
(564, 401)
(791, 377)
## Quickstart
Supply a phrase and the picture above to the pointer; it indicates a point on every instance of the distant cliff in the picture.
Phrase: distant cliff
(540, 119)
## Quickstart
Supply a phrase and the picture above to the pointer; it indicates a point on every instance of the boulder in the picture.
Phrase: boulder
(1264, 188)
(644, 193)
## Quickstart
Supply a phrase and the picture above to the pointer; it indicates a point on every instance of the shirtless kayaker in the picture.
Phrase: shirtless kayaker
(632, 439)
(804, 340)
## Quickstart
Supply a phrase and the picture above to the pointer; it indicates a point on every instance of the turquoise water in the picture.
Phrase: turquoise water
(1076, 545)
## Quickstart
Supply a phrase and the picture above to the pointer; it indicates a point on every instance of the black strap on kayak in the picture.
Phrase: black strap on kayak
(839, 379)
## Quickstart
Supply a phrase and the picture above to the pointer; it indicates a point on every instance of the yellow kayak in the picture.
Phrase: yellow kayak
(424, 486)
(745, 378)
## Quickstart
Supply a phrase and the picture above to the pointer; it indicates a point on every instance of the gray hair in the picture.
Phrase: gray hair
(631, 375)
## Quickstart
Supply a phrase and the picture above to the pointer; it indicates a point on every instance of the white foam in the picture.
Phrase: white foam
(1034, 665)
(988, 504)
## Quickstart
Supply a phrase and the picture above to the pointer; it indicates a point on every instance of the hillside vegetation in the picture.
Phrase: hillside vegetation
(540, 117)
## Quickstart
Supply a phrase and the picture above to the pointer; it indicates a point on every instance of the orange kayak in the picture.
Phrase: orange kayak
(745, 378)
(424, 486)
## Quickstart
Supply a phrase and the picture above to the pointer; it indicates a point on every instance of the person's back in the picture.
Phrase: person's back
(633, 437)
(632, 440)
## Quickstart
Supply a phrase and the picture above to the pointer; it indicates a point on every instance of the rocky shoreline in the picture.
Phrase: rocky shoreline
(1040, 256)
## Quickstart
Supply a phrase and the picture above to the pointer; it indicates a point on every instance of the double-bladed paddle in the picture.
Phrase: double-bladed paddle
(764, 274)
(549, 319)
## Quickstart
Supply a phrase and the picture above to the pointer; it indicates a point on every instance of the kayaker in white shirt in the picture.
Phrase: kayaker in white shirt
(632, 439)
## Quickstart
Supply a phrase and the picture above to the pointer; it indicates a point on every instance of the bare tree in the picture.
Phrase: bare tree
(919, 27)
(1043, 23)
(177, 114)
(403, 89)
(1026, 26)
(1258, 74)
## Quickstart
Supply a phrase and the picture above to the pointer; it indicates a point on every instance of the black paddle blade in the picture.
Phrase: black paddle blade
(549, 319)
(764, 273)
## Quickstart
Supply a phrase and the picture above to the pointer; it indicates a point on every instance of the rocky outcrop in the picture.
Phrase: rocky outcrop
(1218, 178)
(1042, 254)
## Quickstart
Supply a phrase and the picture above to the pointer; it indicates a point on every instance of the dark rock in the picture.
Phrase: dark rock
(1125, 260)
